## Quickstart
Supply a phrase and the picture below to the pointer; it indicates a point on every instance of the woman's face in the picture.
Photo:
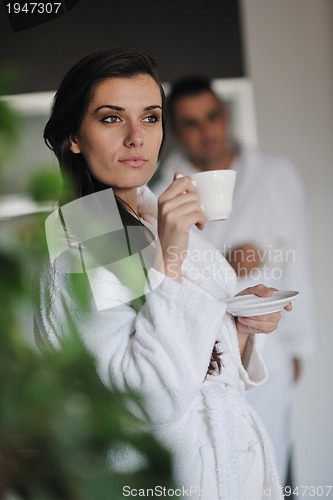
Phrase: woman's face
(121, 132)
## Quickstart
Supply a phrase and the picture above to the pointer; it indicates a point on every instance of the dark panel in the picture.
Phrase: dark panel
(183, 36)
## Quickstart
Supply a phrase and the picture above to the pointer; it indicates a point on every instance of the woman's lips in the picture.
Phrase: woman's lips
(133, 161)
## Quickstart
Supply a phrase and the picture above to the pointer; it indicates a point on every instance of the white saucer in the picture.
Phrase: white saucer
(252, 305)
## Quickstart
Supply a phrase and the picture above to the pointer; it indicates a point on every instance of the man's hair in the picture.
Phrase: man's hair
(184, 87)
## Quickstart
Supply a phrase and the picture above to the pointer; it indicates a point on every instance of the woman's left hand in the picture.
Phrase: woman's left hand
(265, 323)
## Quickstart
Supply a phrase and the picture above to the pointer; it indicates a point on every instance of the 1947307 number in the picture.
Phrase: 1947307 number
(311, 491)
(33, 8)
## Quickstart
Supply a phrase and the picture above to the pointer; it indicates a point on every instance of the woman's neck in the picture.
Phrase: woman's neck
(129, 197)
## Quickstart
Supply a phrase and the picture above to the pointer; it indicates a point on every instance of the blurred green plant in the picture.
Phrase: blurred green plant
(58, 422)
(9, 119)
(8, 129)
(46, 185)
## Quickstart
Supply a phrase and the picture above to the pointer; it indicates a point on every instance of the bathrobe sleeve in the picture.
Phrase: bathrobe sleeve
(252, 369)
(161, 351)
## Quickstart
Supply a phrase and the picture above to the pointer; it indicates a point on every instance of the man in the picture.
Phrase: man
(265, 239)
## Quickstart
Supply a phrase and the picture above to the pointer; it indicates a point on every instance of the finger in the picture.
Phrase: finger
(195, 218)
(174, 203)
(201, 225)
(259, 328)
(177, 187)
(180, 211)
(263, 290)
(259, 290)
(288, 307)
(264, 318)
(265, 323)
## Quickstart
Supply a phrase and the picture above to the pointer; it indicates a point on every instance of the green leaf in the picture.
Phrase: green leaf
(45, 185)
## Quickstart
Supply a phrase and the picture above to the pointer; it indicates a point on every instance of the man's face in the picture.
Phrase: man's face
(201, 128)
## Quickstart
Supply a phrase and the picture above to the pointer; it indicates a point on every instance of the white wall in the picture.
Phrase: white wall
(289, 53)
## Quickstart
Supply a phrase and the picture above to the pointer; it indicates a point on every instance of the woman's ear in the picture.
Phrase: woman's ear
(74, 144)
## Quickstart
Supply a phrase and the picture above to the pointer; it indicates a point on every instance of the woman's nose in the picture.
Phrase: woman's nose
(133, 137)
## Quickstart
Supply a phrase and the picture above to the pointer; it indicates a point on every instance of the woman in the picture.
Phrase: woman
(178, 347)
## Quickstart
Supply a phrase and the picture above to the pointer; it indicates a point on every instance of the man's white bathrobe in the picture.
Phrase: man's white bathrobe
(220, 448)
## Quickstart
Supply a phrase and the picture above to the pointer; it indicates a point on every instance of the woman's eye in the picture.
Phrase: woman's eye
(151, 119)
(110, 119)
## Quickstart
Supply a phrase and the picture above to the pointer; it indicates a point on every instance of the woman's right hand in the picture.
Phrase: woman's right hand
(178, 210)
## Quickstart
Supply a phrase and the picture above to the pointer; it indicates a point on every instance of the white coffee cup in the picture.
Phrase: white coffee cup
(215, 189)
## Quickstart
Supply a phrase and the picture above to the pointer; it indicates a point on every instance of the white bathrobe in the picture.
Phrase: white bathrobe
(219, 446)
(269, 210)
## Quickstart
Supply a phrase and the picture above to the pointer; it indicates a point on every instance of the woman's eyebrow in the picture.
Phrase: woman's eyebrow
(119, 108)
(109, 106)
(153, 106)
